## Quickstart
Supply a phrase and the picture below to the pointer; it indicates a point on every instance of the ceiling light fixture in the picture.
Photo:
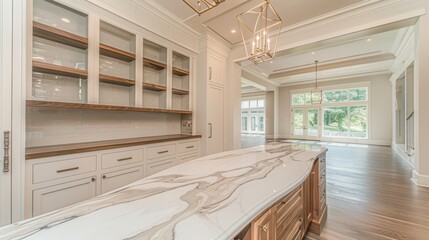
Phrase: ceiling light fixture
(233, 31)
(260, 29)
(316, 93)
(202, 6)
(368, 40)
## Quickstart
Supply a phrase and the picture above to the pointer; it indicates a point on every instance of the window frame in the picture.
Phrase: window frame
(348, 104)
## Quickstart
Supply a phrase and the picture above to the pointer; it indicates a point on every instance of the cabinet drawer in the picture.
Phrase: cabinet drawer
(52, 198)
(188, 147)
(54, 170)
(121, 158)
(186, 158)
(161, 151)
(113, 180)
(158, 166)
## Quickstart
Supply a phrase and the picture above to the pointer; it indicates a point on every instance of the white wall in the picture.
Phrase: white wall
(47, 126)
(380, 102)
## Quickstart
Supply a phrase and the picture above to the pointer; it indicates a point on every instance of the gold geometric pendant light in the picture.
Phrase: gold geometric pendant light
(201, 6)
(260, 29)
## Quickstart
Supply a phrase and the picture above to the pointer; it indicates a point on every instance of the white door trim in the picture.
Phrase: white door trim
(6, 7)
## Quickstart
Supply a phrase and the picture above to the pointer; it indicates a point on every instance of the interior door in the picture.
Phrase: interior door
(305, 123)
(215, 120)
(5, 110)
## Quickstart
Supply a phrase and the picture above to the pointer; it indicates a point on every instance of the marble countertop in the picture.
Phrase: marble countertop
(212, 197)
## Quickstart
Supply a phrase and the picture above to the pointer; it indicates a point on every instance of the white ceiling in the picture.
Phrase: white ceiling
(341, 57)
(222, 19)
(369, 54)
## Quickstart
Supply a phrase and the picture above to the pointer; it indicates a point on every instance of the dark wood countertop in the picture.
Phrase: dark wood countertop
(57, 150)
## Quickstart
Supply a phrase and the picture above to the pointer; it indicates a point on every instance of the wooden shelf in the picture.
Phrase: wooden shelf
(154, 87)
(58, 150)
(116, 80)
(47, 104)
(180, 91)
(180, 72)
(59, 36)
(154, 64)
(59, 70)
(116, 53)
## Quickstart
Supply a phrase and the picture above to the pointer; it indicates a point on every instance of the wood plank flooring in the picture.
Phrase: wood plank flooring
(370, 196)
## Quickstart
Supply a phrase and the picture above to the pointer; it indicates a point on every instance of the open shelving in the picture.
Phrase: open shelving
(60, 65)
(48, 68)
(60, 55)
(180, 91)
(82, 106)
(117, 66)
(154, 75)
(60, 36)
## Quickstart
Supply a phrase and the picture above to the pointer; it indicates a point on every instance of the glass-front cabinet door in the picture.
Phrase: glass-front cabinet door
(305, 123)
(59, 53)
(180, 82)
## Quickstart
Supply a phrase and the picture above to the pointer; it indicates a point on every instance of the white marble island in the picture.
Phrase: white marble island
(213, 197)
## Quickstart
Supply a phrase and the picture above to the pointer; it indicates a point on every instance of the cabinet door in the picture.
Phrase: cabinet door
(52, 198)
(117, 179)
(263, 228)
(215, 120)
(216, 71)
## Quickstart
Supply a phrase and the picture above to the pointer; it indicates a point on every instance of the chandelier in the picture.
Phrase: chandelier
(201, 6)
(261, 25)
(316, 93)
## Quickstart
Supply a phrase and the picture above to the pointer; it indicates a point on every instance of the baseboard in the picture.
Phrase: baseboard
(341, 140)
(420, 180)
(402, 154)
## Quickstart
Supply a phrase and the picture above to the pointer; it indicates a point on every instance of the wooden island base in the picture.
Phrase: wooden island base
(303, 209)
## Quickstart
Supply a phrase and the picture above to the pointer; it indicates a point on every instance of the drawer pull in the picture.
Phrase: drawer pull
(93, 179)
(103, 176)
(166, 151)
(67, 170)
(190, 147)
(124, 159)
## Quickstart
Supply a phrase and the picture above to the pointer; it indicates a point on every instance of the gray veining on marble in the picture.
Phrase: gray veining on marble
(209, 198)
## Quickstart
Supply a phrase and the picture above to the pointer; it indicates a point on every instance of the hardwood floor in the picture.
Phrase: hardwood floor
(370, 196)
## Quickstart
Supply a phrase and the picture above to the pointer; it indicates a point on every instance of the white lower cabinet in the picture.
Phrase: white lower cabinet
(159, 165)
(113, 180)
(56, 182)
(51, 198)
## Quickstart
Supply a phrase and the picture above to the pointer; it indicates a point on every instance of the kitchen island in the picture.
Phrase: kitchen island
(221, 196)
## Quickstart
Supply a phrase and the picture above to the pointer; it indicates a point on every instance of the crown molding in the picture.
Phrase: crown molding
(335, 63)
(339, 78)
(404, 53)
(167, 16)
(352, 19)
(259, 76)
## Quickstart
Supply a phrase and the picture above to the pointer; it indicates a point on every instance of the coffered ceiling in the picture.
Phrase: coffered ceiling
(369, 52)
(222, 19)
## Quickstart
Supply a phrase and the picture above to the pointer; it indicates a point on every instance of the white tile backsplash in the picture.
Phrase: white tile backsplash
(46, 126)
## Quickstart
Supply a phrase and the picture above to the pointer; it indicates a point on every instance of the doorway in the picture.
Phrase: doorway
(306, 123)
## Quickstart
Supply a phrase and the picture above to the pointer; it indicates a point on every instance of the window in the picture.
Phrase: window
(344, 113)
(335, 122)
(253, 116)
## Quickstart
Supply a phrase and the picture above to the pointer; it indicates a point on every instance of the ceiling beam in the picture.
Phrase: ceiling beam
(333, 64)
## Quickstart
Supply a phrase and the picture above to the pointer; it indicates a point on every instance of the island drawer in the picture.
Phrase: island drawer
(188, 147)
(161, 151)
(186, 158)
(43, 172)
(121, 158)
(289, 215)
